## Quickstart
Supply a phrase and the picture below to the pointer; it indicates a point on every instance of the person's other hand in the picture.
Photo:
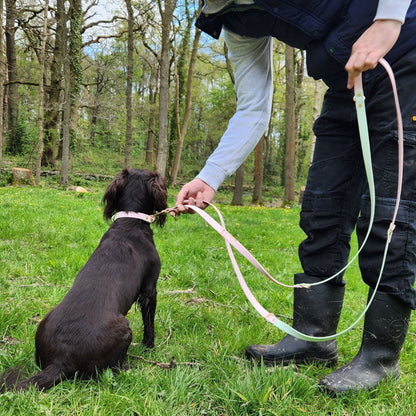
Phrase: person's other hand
(371, 46)
(193, 193)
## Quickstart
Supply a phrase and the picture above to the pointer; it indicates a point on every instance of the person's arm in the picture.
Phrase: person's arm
(252, 63)
(378, 39)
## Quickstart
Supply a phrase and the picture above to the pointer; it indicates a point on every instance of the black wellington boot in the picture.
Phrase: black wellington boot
(316, 312)
(385, 328)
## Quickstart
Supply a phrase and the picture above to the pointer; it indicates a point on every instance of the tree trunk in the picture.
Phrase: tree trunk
(96, 106)
(238, 186)
(179, 59)
(162, 150)
(66, 127)
(75, 59)
(258, 173)
(317, 100)
(1, 83)
(228, 63)
(129, 84)
(54, 92)
(267, 147)
(299, 103)
(188, 103)
(289, 166)
(152, 120)
(12, 89)
(41, 92)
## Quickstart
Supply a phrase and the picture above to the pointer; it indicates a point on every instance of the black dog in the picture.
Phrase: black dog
(88, 331)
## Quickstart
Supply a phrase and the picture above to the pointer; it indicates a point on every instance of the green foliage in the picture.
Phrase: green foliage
(202, 318)
(98, 88)
(213, 105)
(20, 141)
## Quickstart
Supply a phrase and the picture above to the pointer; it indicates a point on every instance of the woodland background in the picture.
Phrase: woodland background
(92, 86)
(98, 85)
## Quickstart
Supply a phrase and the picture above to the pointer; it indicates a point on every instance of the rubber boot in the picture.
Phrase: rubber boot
(385, 328)
(316, 312)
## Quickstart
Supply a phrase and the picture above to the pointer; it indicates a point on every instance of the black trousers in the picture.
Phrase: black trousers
(336, 197)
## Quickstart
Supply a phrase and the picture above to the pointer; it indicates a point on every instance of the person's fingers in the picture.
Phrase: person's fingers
(182, 195)
(200, 201)
(360, 62)
(370, 47)
(351, 81)
(195, 193)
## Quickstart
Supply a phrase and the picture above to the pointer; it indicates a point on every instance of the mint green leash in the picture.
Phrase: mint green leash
(366, 151)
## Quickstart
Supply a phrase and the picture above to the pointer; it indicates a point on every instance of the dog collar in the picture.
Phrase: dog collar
(132, 214)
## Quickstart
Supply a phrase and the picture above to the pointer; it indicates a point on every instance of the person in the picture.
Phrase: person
(342, 39)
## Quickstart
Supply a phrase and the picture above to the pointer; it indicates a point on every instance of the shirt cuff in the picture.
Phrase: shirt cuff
(392, 10)
(212, 175)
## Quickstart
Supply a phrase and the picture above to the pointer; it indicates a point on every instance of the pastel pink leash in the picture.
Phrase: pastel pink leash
(232, 241)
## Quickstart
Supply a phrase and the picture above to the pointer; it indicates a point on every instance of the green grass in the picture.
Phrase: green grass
(203, 319)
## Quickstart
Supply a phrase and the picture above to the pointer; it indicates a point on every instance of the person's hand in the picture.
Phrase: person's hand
(193, 193)
(371, 46)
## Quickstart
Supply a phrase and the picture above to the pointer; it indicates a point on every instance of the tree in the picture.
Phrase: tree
(54, 89)
(42, 91)
(238, 186)
(129, 83)
(66, 120)
(166, 14)
(12, 86)
(317, 100)
(75, 58)
(239, 174)
(153, 93)
(182, 129)
(258, 173)
(73, 77)
(289, 169)
(1, 83)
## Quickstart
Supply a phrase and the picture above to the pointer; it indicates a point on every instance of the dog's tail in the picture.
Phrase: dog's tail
(44, 380)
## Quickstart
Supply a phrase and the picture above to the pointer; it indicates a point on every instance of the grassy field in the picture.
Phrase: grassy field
(203, 320)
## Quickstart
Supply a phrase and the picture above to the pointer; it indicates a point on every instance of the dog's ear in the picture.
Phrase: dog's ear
(157, 190)
(112, 194)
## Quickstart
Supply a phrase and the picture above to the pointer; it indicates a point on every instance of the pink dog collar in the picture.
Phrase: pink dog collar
(132, 214)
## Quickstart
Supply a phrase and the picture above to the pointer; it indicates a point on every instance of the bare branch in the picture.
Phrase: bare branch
(165, 366)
